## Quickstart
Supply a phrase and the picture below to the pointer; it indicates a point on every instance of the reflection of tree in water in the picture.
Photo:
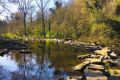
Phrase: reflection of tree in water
(7, 67)
(35, 68)
(29, 66)
(4, 74)
(34, 71)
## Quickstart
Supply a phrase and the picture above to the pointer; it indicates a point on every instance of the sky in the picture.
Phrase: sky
(13, 9)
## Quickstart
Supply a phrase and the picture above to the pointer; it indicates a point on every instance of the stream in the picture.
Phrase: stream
(48, 61)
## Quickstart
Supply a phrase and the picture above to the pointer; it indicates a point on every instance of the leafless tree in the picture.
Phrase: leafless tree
(24, 7)
(2, 6)
(43, 6)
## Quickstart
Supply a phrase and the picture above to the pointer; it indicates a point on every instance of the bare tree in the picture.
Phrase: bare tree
(42, 5)
(3, 6)
(24, 7)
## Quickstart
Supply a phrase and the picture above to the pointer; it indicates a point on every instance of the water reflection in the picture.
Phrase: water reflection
(16, 66)
(7, 66)
(7, 63)
(27, 68)
(46, 60)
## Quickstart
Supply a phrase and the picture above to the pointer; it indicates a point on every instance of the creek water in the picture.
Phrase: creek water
(49, 61)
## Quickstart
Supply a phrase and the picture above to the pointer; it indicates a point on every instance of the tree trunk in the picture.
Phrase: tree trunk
(49, 28)
(25, 26)
(31, 20)
(43, 24)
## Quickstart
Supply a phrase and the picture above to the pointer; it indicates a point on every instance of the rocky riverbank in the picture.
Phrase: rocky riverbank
(89, 46)
(99, 65)
(7, 45)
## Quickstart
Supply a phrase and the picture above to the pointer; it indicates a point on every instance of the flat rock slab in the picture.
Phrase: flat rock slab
(74, 77)
(103, 51)
(86, 62)
(93, 60)
(114, 72)
(81, 65)
(84, 56)
(94, 75)
(107, 61)
(95, 67)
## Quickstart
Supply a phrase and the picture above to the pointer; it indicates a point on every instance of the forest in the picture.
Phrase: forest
(82, 20)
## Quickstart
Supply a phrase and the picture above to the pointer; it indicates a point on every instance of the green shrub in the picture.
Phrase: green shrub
(10, 35)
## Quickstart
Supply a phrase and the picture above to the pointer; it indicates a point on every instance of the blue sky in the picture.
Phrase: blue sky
(13, 9)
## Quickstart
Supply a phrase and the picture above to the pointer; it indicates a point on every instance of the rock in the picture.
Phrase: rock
(81, 66)
(86, 62)
(107, 61)
(117, 63)
(96, 56)
(84, 56)
(25, 51)
(113, 55)
(74, 78)
(89, 56)
(68, 42)
(94, 60)
(92, 48)
(93, 65)
(94, 75)
(114, 72)
(114, 78)
(103, 52)
(96, 67)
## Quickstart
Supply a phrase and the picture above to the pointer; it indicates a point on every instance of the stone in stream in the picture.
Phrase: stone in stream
(25, 51)
(74, 78)
(94, 75)
(93, 65)
(93, 72)
(81, 66)
(115, 74)
(96, 67)
(107, 61)
(116, 63)
(89, 56)
(84, 64)
(103, 52)
(84, 56)
(68, 42)
(113, 55)
(94, 60)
